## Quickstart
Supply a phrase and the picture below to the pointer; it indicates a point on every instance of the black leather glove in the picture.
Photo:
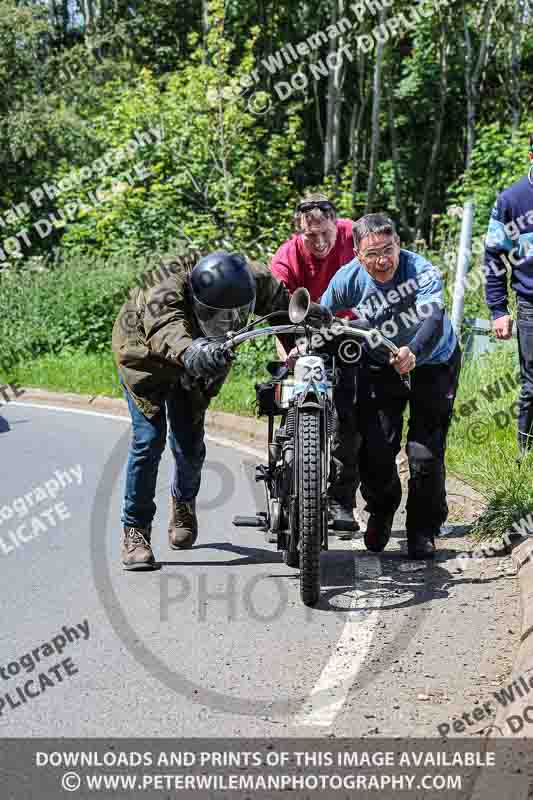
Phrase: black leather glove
(205, 359)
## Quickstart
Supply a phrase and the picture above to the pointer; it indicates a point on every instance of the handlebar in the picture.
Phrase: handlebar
(372, 336)
(234, 341)
(303, 312)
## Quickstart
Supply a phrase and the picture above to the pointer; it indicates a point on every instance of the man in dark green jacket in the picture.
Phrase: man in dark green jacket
(170, 369)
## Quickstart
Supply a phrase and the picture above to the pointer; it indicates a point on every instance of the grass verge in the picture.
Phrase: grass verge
(482, 445)
(95, 374)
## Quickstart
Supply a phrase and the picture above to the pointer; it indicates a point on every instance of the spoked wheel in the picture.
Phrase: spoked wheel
(309, 504)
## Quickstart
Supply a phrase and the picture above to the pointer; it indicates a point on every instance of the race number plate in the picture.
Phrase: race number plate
(309, 368)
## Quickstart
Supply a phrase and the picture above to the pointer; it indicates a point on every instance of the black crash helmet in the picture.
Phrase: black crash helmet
(223, 292)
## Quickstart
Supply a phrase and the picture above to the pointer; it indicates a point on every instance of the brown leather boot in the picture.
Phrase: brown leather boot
(183, 525)
(136, 549)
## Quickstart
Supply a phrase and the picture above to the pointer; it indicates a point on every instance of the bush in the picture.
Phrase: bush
(72, 306)
(509, 495)
(498, 160)
(253, 357)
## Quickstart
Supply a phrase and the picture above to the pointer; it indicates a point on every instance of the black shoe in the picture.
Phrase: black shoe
(378, 531)
(341, 519)
(421, 545)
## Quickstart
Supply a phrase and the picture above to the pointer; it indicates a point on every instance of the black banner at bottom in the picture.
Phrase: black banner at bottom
(458, 769)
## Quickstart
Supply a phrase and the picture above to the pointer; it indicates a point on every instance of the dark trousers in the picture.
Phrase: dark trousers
(346, 439)
(525, 350)
(382, 402)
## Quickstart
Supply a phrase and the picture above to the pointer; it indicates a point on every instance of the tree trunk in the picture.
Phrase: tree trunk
(376, 133)
(473, 73)
(335, 98)
(356, 123)
(516, 61)
(406, 228)
(66, 18)
(205, 28)
(421, 222)
(318, 116)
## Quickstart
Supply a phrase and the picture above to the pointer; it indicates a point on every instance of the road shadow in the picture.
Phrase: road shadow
(249, 556)
(337, 566)
(421, 581)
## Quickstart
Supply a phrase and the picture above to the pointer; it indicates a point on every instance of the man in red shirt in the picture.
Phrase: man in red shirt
(322, 244)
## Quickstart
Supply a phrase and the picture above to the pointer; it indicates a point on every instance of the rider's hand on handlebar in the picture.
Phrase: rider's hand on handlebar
(205, 359)
(404, 361)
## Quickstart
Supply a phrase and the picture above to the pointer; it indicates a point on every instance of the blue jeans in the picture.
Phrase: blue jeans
(525, 349)
(185, 411)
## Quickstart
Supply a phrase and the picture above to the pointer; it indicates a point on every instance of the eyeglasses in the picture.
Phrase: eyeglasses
(374, 256)
(309, 205)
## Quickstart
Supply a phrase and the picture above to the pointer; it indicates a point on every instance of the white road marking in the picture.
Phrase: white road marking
(351, 650)
(70, 410)
(219, 440)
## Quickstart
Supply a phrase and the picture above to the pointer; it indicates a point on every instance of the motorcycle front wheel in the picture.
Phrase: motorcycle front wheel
(309, 503)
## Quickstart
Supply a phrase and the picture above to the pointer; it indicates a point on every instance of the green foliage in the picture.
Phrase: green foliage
(484, 450)
(96, 374)
(253, 356)
(479, 439)
(219, 178)
(79, 83)
(69, 371)
(508, 492)
(73, 307)
(499, 159)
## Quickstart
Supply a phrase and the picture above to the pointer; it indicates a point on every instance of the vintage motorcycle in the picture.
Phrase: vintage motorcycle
(295, 476)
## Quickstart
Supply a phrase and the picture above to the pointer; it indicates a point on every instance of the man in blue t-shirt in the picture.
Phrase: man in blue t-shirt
(400, 293)
(509, 243)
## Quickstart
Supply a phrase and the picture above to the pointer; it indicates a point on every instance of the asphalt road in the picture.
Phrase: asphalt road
(216, 642)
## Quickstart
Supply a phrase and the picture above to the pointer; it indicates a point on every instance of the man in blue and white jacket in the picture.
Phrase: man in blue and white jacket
(509, 249)
(400, 293)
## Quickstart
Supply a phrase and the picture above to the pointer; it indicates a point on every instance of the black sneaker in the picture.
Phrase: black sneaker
(341, 519)
(421, 545)
(378, 531)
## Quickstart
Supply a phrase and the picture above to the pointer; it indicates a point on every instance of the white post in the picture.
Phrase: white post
(463, 262)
